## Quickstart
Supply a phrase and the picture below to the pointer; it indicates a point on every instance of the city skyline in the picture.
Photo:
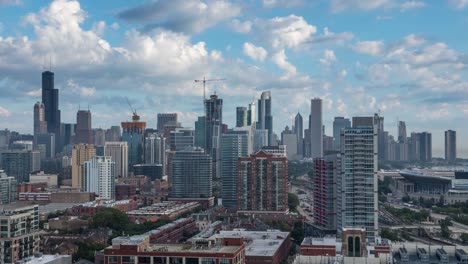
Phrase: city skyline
(297, 56)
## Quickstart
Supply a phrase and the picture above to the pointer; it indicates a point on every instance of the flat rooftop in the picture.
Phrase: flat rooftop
(47, 259)
(193, 248)
(164, 208)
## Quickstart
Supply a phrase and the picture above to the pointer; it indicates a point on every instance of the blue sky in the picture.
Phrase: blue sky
(408, 59)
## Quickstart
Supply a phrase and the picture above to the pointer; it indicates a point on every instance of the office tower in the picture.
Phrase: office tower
(48, 140)
(84, 132)
(5, 136)
(326, 173)
(20, 163)
(118, 151)
(164, 119)
(315, 129)
(357, 186)
(200, 132)
(100, 177)
(339, 123)
(289, 139)
(327, 144)
(235, 144)
(214, 122)
(415, 147)
(252, 114)
(401, 132)
(50, 99)
(425, 149)
(133, 134)
(191, 172)
(379, 121)
(68, 133)
(241, 116)
(299, 131)
(260, 139)
(21, 235)
(265, 119)
(80, 154)
(40, 124)
(113, 134)
(155, 149)
(99, 137)
(182, 138)
(262, 183)
(450, 145)
(7, 188)
(306, 142)
(22, 145)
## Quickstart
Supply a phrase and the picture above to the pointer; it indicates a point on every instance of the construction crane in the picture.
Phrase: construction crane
(204, 81)
(135, 116)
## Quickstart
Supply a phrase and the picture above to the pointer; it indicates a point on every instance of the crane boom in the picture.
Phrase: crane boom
(204, 81)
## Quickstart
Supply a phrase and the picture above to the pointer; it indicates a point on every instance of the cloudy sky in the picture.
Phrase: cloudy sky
(407, 59)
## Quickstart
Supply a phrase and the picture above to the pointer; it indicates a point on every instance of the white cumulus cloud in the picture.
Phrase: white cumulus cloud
(254, 52)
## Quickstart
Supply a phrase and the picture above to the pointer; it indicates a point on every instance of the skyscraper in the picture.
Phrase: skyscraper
(316, 130)
(241, 116)
(289, 139)
(100, 177)
(133, 134)
(235, 144)
(425, 147)
(113, 134)
(450, 145)
(165, 118)
(182, 138)
(326, 173)
(20, 163)
(191, 174)
(118, 151)
(262, 182)
(80, 154)
(339, 124)
(155, 149)
(252, 114)
(299, 131)
(48, 140)
(357, 186)
(401, 132)
(40, 124)
(213, 125)
(68, 133)
(379, 122)
(50, 99)
(7, 188)
(200, 132)
(84, 132)
(265, 119)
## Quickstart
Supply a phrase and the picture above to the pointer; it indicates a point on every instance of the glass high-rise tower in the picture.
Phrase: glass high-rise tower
(50, 99)
(265, 119)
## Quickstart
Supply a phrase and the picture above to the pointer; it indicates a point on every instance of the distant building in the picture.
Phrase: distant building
(191, 171)
(155, 150)
(152, 171)
(100, 177)
(113, 134)
(213, 132)
(265, 118)
(50, 99)
(40, 124)
(48, 140)
(289, 139)
(262, 182)
(299, 131)
(260, 139)
(181, 139)
(8, 192)
(84, 131)
(401, 132)
(20, 233)
(20, 163)
(252, 114)
(200, 132)
(133, 134)
(80, 154)
(99, 137)
(118, 151)
(164, 119)
(339, 123)
(315, 129)
(241, 116)
(450, 145)
(381, 137)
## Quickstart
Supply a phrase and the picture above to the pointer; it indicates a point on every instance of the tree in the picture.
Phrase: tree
(293, 202)
(298, 232)
(389, 234)
(444, 227)
(87, 251)
(406, 199)
(111, 218)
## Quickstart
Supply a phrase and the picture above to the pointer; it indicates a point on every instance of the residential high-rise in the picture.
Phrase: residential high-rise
(118, 151)
(327, 144)
(84, 132)
(200, 132)
(48, 140)
(415, 147)
(289, 139)
(165, 118)
(68, 133)
(265, 119)
(235, 144)
(260, 139)
(241, 116)
(299, 131)
(425, 147)
(191, 174)
(401, 132)
(339, 123)
(20, 233)
(357, 186)
(7, 188)
(113, 134)
(262, 182)
(133, 134)
(99, 136)
(182, 138)
(326, 173)
(40, 124)
(214, 122)
(20, 163)
(252, 114)
(50, 99)
(100, 177)
(80, 154)
(316, 130)
(450, 145)
(381, 139)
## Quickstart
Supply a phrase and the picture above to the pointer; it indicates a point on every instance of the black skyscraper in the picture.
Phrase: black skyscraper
(50, 99)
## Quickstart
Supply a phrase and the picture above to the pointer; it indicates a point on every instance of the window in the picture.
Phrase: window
(175, 260)
(113, 259)
(130, 259)
(208, 261)
(224, 261)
